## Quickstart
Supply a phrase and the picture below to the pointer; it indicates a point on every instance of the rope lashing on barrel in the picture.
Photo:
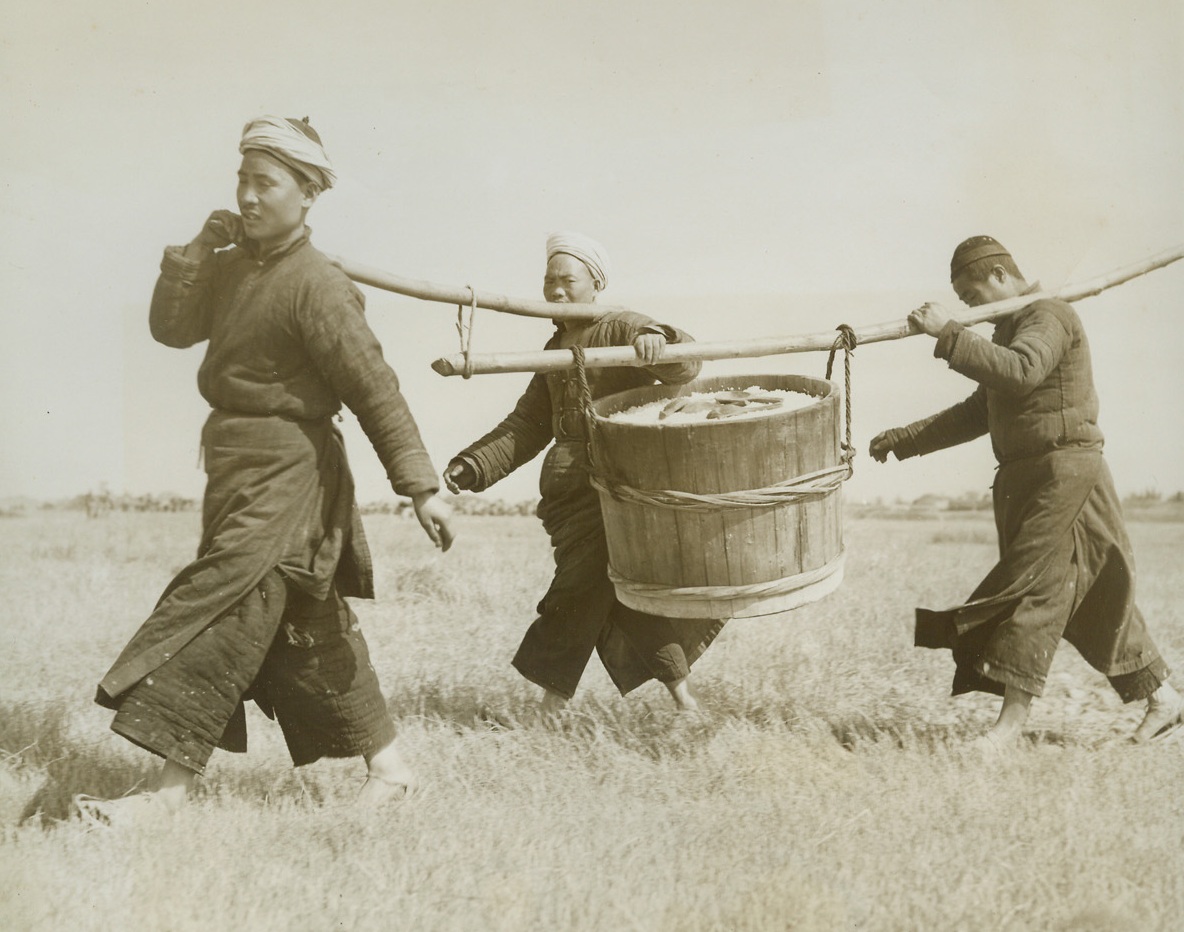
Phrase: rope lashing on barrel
(846, 341)
(758, 590)
(465, 329)
(799, 489)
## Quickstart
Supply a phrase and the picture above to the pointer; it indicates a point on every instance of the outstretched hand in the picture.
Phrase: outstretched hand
(459, 477)
(435, 517)
(881, 445)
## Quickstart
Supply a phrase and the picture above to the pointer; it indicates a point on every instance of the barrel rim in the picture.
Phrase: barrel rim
(603, 408)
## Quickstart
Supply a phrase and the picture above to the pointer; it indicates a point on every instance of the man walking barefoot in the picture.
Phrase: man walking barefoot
(580, 612)
(260, 613)
(1065, 569)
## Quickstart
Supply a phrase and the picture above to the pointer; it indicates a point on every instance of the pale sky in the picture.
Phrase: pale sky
(754, 169)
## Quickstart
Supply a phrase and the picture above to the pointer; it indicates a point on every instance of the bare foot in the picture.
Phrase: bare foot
(378, 790)
(1165, 714)
(552, 703)
(388, 778)
(995, 742)
(139, 810)
(684, 697)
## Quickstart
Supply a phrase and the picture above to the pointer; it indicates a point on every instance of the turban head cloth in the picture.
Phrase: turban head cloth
(973, 249)
(295, 144)
(584, 248)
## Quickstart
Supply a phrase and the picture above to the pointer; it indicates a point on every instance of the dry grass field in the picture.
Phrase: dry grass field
(826, 788)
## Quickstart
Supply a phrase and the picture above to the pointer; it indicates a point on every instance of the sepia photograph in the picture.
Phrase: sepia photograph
(653, 466)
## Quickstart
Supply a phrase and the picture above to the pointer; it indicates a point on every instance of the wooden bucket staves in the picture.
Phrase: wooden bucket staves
(728, 518)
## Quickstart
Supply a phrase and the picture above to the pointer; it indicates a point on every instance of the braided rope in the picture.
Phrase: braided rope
(846, 341)
(774, 587)
(584, 392)
(465, 330)
(811, 486)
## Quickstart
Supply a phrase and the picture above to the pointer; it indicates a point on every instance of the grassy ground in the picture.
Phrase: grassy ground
(827, 788)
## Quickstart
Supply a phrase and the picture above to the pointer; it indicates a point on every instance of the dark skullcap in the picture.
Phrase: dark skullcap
(973, 249)
(305, 127)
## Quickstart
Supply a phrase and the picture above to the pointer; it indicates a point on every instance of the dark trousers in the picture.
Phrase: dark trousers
(303, 661)
(1066, 571)
(580, 612)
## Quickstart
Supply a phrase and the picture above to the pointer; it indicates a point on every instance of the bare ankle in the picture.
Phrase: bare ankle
(552, 702)
(1166, 692)
(388, 766)
(174, 784)
(680, 692)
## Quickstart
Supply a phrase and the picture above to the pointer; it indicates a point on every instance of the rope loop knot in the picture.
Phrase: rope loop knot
(465, 330)
(845, 341)
(584, 397)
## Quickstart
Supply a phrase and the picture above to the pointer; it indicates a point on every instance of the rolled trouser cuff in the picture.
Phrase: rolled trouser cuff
(1131, 687)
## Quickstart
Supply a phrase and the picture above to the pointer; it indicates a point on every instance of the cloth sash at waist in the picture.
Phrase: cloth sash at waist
(279, 495)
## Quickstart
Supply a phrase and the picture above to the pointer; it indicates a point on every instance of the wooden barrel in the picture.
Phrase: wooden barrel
(721, 560)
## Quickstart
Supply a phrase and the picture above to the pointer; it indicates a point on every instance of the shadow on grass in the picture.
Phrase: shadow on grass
(852, 733)
(37, 749)
(35, 739)
(633, 723)
(460, 705)
(644, 723)
(856, 733)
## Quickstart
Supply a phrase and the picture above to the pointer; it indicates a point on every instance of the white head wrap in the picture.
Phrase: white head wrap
(290, 142)
(584, 248)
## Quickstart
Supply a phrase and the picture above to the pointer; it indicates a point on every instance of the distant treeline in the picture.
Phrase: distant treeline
(464, 504)
(98, 504)
(1149, 503)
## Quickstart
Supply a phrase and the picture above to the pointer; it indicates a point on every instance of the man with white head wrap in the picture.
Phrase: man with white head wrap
(580, 612)
(294, 143)
(260, 613)
(584, 248)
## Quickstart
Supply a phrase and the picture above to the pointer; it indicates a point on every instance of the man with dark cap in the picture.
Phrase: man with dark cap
(260, 613)
(1065, 568)
(580, 612)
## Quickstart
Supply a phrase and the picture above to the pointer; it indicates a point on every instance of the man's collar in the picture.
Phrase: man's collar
(255, 252)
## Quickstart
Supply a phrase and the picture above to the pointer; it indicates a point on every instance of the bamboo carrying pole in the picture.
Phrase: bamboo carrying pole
(550, 360)
(466, 296)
